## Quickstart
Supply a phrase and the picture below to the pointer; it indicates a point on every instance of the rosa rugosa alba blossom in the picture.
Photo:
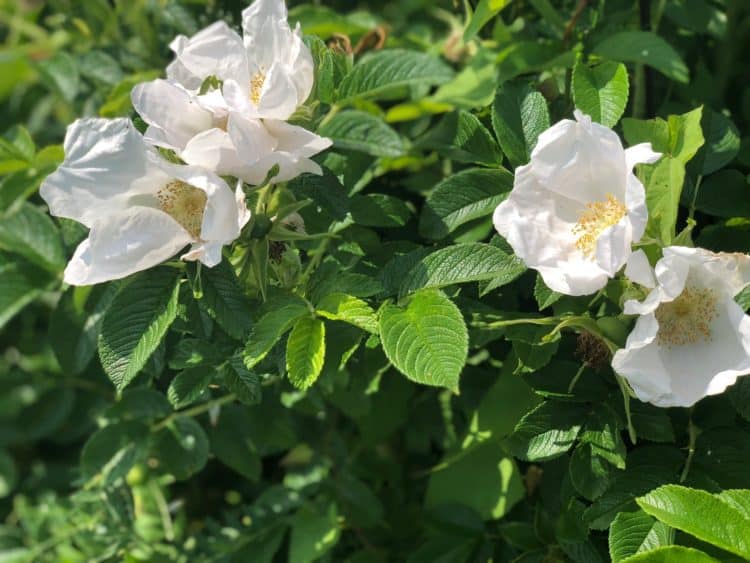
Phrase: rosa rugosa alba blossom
(576, 207)
(140, 209)
(224, 101)
(691, 338)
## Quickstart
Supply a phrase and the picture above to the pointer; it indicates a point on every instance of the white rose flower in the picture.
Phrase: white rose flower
(576, 207)
(140, 209)
(691, 338)
(236, 127)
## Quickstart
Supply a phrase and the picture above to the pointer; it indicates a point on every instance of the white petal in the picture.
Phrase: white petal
(172, 110)
(538, 224)
(216, 51)
(104, 158)
(295, 139)
(635, 202)
(124, 243)
(221, 217)
(726, 271)
(293, 147)
(213, 149)
(641, 365)
(250, 137)
(640, 154)
(639, 270)
(279, 97)
(613, 247)
(208, 253)
(580, 160)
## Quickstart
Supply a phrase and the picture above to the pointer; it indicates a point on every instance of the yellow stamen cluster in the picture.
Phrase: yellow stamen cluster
(687, 319)
(185, 204)
(597, 217)
(256, 86)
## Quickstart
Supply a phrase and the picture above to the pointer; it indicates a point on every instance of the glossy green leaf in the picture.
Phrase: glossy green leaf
(359, 131)
(136, 322)
(379, 74)
(463, 197)
(601, 90)
(462, 263)
(636, 532)
(426, 339)
(349, 309)
(644, 47)
(305, 351)
(519, 115)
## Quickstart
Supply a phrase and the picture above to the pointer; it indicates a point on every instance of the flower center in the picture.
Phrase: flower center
(256, 86)
(185, 204)
(597, 217)
(687, 319)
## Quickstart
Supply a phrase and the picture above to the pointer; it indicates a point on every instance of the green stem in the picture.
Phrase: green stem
(692, 436)
(626, 403)
(335, 108)
(576, 378)
(513, 322)
(194, 411)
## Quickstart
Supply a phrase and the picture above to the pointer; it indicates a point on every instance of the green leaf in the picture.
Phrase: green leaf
(589, 473)
(472, 88)
(232, 443)
(463, 197)
(376, 76)
(20, 284)
(241, 381)
(672, 554)
(139, 404)
(305, 351)
(484, 478)
(136, 322)
(379, 210)
(647, 48)
(722, 142)
(325, 190)
(8, 474)
(548, 431)
(602, 432)
(484, 12)
(282, 313)
(357, 130)
(315, 530)
(601, 90)
(648, 467)
(30, 232)
(544, 296)
(75, 325)
(225, 301)
(519, 115)
(111, 451)
(462, 263)
(181, 448)
(427, 339)
(342, 307)
(710, 518)
(723, 194)
(460, 136)
(60, 73)
(636, 532)
(189, 386)
(663, 189)
(680, 136)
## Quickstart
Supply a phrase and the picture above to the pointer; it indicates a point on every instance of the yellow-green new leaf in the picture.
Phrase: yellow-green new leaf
(348, 309)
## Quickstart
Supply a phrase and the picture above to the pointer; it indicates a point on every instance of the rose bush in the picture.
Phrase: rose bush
(393, 281)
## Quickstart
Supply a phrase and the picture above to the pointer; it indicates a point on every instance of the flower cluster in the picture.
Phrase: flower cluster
(573, 215)
(221, 112)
